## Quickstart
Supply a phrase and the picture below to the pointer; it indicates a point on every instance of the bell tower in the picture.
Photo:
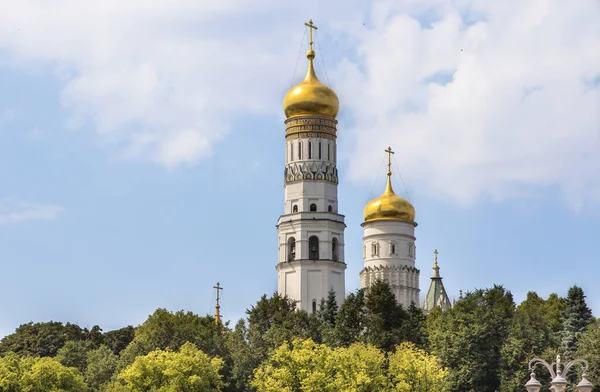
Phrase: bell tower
(310, 231)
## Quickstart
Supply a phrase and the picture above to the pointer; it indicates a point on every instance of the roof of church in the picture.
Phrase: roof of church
(436, 295)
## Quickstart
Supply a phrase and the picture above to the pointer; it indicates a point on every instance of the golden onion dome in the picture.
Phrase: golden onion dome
(311, 97)
(389, 206)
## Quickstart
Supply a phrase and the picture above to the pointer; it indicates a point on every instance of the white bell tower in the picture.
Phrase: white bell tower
(311, 231)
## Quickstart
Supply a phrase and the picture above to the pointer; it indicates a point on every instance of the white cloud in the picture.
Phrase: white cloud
(518, 112)
(12, 213)
(479, 98)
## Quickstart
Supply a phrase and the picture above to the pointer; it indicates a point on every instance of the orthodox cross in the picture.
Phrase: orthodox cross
(436, 255)
(312, 27)
(389, 152)
(218, 288)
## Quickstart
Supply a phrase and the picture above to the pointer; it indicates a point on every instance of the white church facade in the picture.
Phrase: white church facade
(311, 229)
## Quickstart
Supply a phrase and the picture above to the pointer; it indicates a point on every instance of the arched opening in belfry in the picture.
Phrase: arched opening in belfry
(295, 208)
(291, 249)
(313, 207)
(334, 249)
(313, 248)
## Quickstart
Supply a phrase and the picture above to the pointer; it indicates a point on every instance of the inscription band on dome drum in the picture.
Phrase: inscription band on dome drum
(311, 124)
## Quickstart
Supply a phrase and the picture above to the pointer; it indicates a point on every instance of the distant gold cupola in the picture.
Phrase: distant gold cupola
(311, 97)
(389, 206)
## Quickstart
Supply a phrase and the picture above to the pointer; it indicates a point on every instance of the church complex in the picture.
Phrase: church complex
(311, 230)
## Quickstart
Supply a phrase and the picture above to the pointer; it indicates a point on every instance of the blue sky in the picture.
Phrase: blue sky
(141, 148)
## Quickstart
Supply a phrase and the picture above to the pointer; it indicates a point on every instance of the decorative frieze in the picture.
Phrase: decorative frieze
(317, 170)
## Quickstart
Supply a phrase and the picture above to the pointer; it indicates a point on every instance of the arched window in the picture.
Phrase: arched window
(291, 249)
(374, 249)
(291, 151)
(328, 152)
(309, 150)
(330, 209)
(313, 248)
(334, 249)
(299, 150)
(295, 208)
(319, 150)
(393, 249)
(313, 207)
(314, 306)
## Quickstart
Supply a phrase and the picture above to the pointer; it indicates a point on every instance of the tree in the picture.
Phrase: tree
(534, 332)
(74, 354)
(414, 326)
(413, 370)
(270, 322)
(384, 318)
(186, 370)
(101, 366)
(41, 339)
(328, 309)
(118, 339)
(307, 366)
(165, 329)
(576, 319)
(468, 338)
(589, 349)
(33, 374)
(349, 324)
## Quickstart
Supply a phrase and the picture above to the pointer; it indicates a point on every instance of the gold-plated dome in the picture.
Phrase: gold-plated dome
(389, 206)
(311, 97)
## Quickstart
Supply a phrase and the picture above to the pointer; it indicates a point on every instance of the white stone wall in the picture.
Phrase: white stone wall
(308, 281)
(311, 180)
(389, 253)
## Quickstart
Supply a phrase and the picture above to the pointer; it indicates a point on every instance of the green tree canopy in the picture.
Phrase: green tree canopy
(576, 318)
(306, 366)
(41, 339)
(101, 366)
(185, 370)
(468, 338)
(589, 349)
(413, 370)
(165, 329)
(33, 374)
(74, 354)
(118, 339)
(534, 332)
(270, 322)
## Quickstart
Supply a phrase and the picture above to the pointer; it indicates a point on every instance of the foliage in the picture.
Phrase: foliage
(306, 366)
(31, 374)
(41, 339)
(576, 318)
(271, 322)
(164, 329)
(101, 366)
(310, 367)
(74, 354)
(349, 324)
(328, 309)
(383, 318)
(413, 370)
(468, 338)
(534, 332)
(186, 370)
(118, 339)
(589, 349)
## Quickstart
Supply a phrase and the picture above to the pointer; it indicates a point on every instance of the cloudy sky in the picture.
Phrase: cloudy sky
(141, 145)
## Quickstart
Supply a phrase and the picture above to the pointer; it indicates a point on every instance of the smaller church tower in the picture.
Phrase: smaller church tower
(389, 244)
(436, 296)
